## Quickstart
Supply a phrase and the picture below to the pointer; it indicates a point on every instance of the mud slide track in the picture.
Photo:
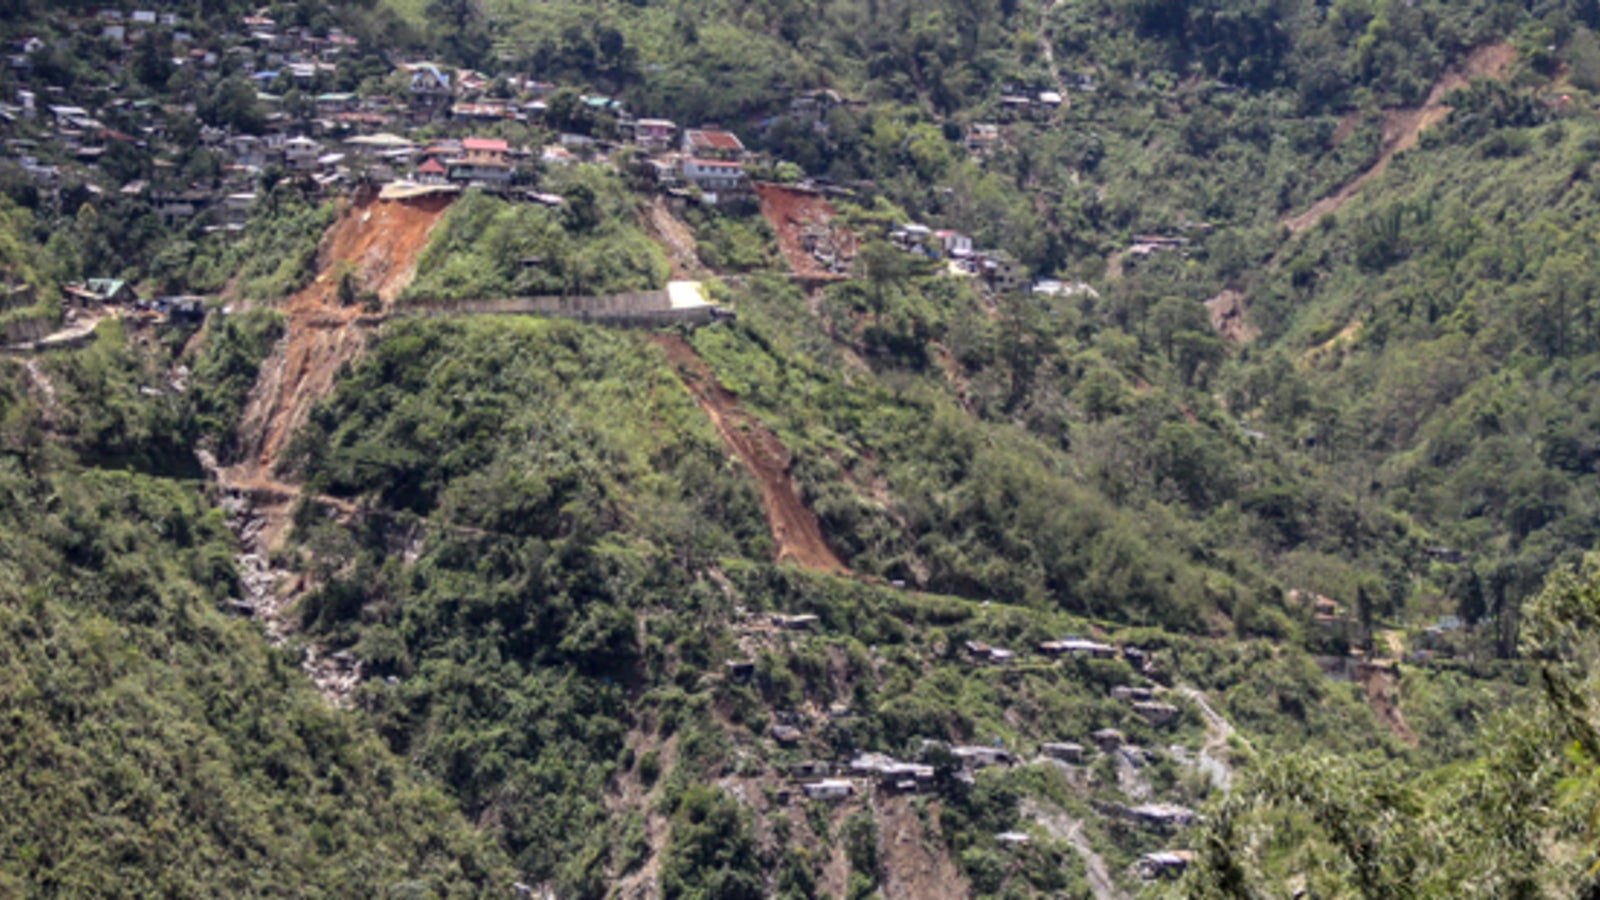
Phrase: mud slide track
(378, 243)
(1403, 127)
(794, 526)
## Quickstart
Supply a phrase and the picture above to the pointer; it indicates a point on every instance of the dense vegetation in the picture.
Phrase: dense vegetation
(553, 557)
(489, 248)
(153, 743)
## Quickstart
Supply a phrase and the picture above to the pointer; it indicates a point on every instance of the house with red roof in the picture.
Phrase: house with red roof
(432, 172)
(483, 163)
(484, 149)
(709, 143)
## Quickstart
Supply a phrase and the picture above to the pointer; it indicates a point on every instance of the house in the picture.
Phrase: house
(484, 150)
(1164, 864)
(1050, 287)
(1131, 693)
(182, 308)
(983, 139)
(710, 143)
(246, 150)
(788, 735)
(713, 176)
(911, 237)
(813, 106)
(659, 172)
(1020, 106)
(1146, 244)
(977, 757)
(75, 117)
(795, 623)
(741, 670)
(1137, 658)
(483, 163)
(1107, 740)
(830, 789)
(955, 244)
(1000, 272)
(236, 210)
(174, 205)
(98, 291)
(1156, 714)
(1162, 817)
(1063, 752)
(810, 770)
(381, 144)
(300, 153)
(605, 106)
(905, 778)
(482, 111)
(431, 92)
(557, 155)
(654, 135)
(334, 103)
(1078, 647)
(1013, 839)
(871, 763)
(432, 172)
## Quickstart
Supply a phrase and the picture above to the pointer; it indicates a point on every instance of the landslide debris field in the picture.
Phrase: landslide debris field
(795, 528)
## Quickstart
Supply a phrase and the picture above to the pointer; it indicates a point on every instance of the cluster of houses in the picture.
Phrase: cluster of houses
(1071, 645)
(334, 139)
(98, 295)
(998, 271)
(59, 135)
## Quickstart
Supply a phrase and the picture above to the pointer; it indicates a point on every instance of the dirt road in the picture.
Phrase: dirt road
(795, 528)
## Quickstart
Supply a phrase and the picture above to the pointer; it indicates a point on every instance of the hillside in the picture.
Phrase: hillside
(1131, 448)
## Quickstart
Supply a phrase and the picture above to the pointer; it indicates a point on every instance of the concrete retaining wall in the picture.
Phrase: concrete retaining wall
(642, 309)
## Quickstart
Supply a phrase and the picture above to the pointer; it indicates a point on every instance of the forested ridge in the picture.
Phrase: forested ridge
(1269, 487)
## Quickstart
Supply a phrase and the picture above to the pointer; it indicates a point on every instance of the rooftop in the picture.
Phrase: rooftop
(713, 140)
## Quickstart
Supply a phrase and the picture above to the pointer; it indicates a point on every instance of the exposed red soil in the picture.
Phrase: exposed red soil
(791, 211)
(794, 526)
(1403, 127)
(1382, 686)
(376, 241)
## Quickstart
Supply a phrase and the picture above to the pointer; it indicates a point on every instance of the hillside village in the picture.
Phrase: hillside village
(317, 109)
(1106, 764)
(912, 524)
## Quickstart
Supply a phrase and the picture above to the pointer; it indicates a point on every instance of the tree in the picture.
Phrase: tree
(1583, 59)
